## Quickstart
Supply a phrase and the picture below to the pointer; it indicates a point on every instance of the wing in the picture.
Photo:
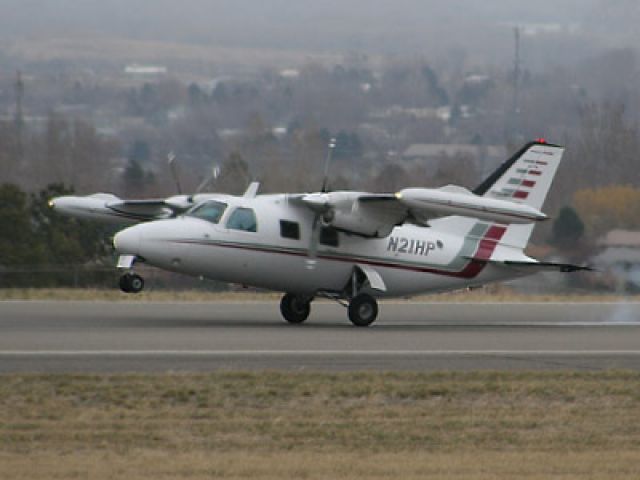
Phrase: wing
(375, 215)
(142, 210)
(111, 209)
(108, 208)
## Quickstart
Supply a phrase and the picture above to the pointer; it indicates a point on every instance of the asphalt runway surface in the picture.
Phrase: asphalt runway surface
(158, 337)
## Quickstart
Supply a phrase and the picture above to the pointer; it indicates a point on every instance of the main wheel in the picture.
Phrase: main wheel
(136, 283)
(124, 283)
(363, 310)
(294, 308)
(131, 283)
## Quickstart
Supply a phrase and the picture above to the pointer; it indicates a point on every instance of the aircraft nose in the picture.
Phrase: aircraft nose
(127, 241)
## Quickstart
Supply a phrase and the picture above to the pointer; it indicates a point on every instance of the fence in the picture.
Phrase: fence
(96, 276)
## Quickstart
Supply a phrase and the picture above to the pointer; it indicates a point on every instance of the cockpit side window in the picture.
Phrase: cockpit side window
(243, 219)
(211, 211)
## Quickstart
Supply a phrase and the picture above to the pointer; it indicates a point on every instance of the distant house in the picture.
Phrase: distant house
(439, 113)
(145, 70)
(484, 157)
(619, 259)
(290, 73)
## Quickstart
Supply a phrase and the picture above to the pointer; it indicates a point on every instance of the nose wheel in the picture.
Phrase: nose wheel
(131, 283)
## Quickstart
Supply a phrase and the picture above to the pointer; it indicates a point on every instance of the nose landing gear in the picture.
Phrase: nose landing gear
(131, 283)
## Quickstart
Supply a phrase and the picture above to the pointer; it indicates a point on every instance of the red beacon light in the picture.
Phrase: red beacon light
(541, 140)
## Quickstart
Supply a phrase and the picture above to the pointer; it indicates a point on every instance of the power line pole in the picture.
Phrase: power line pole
(516, 79)
(19, 114)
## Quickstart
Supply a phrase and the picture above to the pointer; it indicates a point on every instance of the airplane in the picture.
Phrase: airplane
(352, 247)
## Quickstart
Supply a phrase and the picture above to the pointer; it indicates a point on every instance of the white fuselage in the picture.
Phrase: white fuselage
(451, 254)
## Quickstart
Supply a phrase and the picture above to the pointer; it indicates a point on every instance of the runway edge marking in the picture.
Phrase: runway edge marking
(221, 353)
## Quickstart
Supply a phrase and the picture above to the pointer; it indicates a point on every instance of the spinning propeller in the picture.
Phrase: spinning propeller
(173, 168)
(320, 204)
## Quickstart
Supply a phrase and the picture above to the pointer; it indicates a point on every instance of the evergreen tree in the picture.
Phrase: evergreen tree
(567, 229)
(19, 244)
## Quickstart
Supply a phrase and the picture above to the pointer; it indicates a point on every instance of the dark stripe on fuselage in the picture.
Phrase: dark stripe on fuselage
(473, 267)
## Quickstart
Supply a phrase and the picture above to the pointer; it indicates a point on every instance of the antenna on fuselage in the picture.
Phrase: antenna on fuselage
(213, 177)
(327, 162)
(171, 160)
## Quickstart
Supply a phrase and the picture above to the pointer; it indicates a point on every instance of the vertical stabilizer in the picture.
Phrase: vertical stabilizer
(524, 178)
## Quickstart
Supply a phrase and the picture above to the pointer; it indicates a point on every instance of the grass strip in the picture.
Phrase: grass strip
(321, 425)
(115, 295)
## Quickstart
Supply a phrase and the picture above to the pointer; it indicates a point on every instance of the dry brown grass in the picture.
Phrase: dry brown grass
(315, 425)
(479, 465)
(114, 295)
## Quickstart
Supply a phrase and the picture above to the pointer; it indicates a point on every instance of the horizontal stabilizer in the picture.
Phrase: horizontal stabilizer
(544, 266)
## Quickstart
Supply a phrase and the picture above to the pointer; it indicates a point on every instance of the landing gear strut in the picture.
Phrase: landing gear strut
(131, 283)
(294, 308)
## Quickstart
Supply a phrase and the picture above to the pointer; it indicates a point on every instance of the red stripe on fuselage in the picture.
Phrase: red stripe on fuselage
(489, 242)
(485, 249)
(495, 232)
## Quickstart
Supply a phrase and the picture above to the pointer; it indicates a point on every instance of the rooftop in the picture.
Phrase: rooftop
(420, 150)
(620, 238)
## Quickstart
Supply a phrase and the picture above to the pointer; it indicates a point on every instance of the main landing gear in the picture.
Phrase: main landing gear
(131, 283)
(362, 309)
(295, 308)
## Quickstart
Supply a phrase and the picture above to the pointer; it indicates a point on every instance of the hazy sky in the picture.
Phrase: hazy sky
(237, 19)
(384, 26)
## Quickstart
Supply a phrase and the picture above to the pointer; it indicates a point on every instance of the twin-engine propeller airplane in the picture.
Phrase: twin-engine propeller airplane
(348, 246)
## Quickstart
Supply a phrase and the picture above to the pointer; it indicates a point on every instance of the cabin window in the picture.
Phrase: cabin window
(243, 219)
(329, 236)
(211, 211)
(289, 229)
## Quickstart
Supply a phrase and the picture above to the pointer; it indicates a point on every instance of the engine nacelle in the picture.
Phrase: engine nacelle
(346, 212)
(362, 221)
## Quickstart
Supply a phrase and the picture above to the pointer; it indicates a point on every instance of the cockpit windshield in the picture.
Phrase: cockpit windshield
(211, 211)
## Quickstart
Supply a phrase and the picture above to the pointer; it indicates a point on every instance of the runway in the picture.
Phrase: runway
(88, 337)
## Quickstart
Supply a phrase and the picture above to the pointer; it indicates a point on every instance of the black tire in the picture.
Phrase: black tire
(294, 309)
(131, 283)
(124, 283)
(363, 310)
(137, 283)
